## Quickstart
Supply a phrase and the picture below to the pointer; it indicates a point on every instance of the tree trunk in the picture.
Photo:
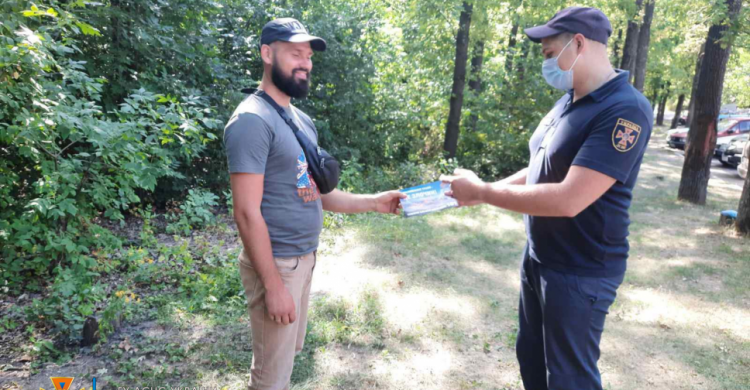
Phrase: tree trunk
(662, 109)
(511, 48)
(616, 47)
(702, 135)
(694, 89)
(630, 50)
(113, 99)
(644, 39)
(459, 80)
(743, 210)
(521, 68)
(678, 111)
(655, 99)
(475, 82)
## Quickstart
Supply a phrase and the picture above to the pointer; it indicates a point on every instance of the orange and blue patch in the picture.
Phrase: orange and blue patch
(625, 135)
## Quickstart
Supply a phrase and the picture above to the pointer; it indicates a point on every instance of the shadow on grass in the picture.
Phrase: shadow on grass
(442, 249)
(655, 355)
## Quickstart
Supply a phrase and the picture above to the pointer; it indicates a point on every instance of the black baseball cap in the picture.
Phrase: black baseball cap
(590, 22)
(289, 30)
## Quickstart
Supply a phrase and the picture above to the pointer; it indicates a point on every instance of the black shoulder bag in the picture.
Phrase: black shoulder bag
(324, 168)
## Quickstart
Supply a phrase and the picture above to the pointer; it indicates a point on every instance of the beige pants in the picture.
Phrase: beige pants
(275, 345)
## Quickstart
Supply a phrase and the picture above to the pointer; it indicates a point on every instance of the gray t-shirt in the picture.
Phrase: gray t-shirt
(257, 140)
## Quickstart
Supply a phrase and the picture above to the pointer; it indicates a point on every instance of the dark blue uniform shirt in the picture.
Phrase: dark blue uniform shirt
(606, 131)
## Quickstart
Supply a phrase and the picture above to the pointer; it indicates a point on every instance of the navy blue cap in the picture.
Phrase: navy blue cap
(289, 30)
(590, 22)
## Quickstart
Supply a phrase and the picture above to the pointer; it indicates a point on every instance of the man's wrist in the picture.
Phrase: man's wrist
(484, 188)
(273, 283)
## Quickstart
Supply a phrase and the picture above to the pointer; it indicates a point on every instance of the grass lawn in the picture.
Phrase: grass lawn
(431, 303)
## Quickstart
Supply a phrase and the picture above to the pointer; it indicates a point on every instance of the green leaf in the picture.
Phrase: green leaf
(66, 288)
(86, 310)
(68, 206)
(70, 246)
(34, 11)
(87, 29)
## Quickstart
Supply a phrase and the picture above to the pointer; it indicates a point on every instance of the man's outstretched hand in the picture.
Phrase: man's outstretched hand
(388, 202)
(466, 187)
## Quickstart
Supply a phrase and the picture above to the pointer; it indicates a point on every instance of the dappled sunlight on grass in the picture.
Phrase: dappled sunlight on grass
(345, 274)
(448, 288)
(660, 169)
(724, 189)
(642, 357)
(481, 218)
(430, 357)
(417, 306)
(671, 309)
(507, 277)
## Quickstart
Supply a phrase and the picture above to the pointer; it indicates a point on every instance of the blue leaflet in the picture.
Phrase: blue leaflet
(426, 199)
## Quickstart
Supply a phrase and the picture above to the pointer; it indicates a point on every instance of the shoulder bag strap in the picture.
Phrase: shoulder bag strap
(278, 109)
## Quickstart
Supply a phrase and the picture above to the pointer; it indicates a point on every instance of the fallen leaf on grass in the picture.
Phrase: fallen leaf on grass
(125, 344)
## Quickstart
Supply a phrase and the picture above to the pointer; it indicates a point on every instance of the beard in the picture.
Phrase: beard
(291, 86)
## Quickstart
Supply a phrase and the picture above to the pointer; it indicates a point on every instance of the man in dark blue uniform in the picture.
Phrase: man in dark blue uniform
(575, 194)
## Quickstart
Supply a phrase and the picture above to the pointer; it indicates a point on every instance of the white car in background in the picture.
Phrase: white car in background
(729, 149)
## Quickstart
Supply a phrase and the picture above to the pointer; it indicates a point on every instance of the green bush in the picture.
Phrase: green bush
(356, 178)
(195, 212)
(71, 300)
(68, 161)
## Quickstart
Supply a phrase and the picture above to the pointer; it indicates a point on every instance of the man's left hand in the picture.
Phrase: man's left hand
(466, 187)
(388, 202)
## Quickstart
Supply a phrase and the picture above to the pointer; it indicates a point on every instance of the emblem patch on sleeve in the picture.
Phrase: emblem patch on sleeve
(625, 135)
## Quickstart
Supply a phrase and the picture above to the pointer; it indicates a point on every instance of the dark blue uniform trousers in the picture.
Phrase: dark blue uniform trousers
(561, 320)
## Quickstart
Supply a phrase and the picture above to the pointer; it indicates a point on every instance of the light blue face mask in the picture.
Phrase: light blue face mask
(556, 77)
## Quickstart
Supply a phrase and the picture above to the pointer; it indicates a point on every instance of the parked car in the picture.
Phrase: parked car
(675, 131)
(722, 144)
(728, 127)
(731, 152)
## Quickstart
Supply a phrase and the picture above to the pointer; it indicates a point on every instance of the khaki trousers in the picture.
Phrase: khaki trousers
(275, 345)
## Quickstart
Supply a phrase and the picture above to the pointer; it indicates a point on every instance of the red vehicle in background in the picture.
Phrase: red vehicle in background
(727, 128)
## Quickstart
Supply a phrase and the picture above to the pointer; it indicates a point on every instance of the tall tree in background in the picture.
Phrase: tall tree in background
(630, 49)
(616, 47)
(511, 49)
(452, 128)
(475, 81)
(678, 111)
(521, 67)
(644, 39)
(662, 105)
(481, 33)
(702, 135)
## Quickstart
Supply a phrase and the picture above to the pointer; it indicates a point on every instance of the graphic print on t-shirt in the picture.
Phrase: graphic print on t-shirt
(306, 187)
